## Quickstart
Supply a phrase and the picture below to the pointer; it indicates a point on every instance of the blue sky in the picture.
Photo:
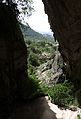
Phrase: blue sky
(39, 20)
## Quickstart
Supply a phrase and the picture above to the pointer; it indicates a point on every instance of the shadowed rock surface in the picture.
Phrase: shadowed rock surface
(65, 20)
(37, 109)
(42, 108)
(13, 64)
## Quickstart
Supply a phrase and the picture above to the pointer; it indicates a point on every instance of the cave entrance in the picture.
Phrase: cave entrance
(43, 56)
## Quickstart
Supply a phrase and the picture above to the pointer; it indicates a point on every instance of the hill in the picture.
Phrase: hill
(48, 36)
(29, 33)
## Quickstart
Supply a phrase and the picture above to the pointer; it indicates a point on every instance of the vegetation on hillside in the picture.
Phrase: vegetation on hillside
(30, 34)
(42, 50)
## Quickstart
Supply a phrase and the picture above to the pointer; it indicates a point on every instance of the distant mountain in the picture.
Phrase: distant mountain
(48, 36)
(29, 33)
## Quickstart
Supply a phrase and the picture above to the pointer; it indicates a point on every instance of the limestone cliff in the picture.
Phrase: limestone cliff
(65, 20)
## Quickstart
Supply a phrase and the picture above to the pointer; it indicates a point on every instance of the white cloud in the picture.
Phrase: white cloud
(39, 20)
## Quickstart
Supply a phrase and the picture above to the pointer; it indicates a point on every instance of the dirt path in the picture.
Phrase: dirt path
(41, 108)
(38, 109)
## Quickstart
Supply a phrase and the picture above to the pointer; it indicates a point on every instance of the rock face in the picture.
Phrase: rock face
(13, 59)
(49, 72)
(65, 20)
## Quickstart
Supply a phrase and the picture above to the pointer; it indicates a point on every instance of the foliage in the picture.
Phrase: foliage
(35, 50)
(33, 60)
(25, 6)
(33, 83)
(78, 116)
(37, 47)
(62, 94)
(20, 7)
(44, 88)
(33, 86)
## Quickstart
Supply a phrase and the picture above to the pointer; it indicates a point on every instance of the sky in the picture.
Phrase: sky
(39, 20)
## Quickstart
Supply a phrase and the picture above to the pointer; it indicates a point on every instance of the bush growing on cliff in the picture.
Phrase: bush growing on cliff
(33, 59)
(62, 94)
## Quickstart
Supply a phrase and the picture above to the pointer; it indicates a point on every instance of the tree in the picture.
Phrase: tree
(21, 8)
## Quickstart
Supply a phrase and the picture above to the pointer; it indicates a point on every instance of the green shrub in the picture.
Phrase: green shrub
(44, 88)
(78, 116)
(31, 69)
(33, 88)
(28, 42)
(61, 94)
(33, 60)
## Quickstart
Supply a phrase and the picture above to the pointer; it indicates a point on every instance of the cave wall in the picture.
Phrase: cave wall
(65, 20)
(13, 60)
